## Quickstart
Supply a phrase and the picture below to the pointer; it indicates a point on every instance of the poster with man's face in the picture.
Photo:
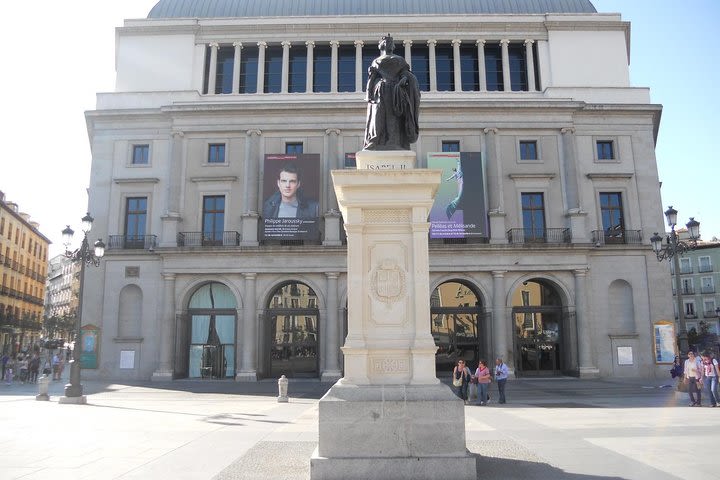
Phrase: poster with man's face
(459, 209)
(291, 193)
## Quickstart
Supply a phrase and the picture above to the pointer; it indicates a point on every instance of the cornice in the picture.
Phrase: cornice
(128, 180)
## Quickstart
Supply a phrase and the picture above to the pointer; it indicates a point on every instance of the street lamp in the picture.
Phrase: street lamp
(74, 390)
(672, 250)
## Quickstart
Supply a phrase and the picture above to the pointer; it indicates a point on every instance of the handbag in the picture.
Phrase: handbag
(457, 382)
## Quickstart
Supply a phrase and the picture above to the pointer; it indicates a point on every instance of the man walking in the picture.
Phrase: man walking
(501, 375)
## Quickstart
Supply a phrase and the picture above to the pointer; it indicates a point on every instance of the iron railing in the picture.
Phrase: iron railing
(132, 242)
(210, 239)
(539, 235)
(616, 237)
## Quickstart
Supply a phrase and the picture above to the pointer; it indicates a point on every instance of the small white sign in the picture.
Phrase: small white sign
(625, 355)
(127, 358)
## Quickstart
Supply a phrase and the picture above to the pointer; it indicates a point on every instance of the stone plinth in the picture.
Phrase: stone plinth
(389, 417)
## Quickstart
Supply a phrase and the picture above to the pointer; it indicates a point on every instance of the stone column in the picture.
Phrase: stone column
(334, 66)
(408, 52)
(164, 371)
(212, 70)
(261, 67)
(507, 87)
(309, 67)
(530, 64)
(499, 321)
(171, 217)
(582, 318)
(457, 74)
(482, 74)
(285, 66)
(251, 200)
(496, 210)
(332, 215)
(433, 67)
(358, 65)
(332, 369)
(236, 67)
(248, 367)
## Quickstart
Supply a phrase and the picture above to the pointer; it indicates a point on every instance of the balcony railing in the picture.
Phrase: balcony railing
(134, 242)
(685, 291)
(539, 235)
(707, 289)
(705, 268)
(616, 237)
(710, 314)
(213, 239)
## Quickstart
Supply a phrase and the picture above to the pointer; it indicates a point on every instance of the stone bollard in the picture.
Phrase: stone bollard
(43, 384)
(282, 389)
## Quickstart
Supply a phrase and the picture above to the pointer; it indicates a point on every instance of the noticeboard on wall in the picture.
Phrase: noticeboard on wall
(664, 341)
(89, 342)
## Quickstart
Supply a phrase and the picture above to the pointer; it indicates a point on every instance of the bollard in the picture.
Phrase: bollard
(282, 389)
(43, 384)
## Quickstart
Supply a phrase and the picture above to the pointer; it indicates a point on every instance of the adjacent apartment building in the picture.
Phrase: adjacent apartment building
(539, 243)
(23, 266)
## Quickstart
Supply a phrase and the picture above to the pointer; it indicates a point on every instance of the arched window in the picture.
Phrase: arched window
(212, 311)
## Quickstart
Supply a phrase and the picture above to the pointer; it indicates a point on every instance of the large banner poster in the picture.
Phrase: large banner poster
(291, 189)
(459, 208)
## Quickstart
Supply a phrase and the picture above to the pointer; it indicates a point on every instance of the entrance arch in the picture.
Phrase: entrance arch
(292, 326)
(539, 325)
(212, 311)
(458, 325)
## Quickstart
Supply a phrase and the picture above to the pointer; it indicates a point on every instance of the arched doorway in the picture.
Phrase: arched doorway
(458, 326)
(293, 332)
(538, 320)
(212, 311)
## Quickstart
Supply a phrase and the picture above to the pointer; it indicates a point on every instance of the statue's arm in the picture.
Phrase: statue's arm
(372, 78)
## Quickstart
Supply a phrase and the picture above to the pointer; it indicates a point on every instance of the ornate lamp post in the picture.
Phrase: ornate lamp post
(672, 250)
(74, 390)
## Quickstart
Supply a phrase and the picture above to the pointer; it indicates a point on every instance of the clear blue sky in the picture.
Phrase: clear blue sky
(58, 55)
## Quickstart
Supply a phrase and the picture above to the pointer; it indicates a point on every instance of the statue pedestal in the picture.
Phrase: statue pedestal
(389, 417)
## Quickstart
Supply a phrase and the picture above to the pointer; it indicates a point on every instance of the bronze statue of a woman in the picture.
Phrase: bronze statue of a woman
(393, 100)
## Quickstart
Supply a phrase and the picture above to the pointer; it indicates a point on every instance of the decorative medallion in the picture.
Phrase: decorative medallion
(387, 282)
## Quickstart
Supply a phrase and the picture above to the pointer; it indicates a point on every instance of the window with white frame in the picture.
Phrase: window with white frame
(605, 150)
(704, 264)
(687, 286)
(690, 308)
(685, 265)
(707, 285)
(709, 307)
(528, 150)
(140, 154)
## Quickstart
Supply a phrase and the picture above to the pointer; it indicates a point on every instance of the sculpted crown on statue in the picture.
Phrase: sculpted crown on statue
(393, 100)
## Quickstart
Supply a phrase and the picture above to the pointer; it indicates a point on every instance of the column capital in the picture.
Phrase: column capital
(480, 41)
(498, 273)
(332, 275)
(214, 44)
(581, 272)
(334, 43)
(252, 132)
(262, 44)
(286, 44)
(359, 43)
(168, 277)
(492, 130)
(529, 41)
(310, 43)
(336, 131)
(407, 42)
(504, 41)
(565, 130)
(249, 275)
(431, 43)
(177, 133)
(456, 42)
(238, 45)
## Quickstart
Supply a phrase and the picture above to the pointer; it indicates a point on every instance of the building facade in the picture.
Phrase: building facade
(539, 248)
(61, 299)
(23, 266)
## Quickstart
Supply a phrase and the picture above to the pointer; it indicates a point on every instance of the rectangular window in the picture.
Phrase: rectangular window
(297, 70)
(445, 69)
(704, 264)
(216, 153)
(141, 154)
(493, 68)
(293, 148)
(518, 67)
(321, 68)
(273, 69)
(450, 146)
(685, 266)
(421, 65)
(469, 68)
(605, 150)
(224, 72)
(528, 150)
(707, 285)
(248, 70)
(533, 213)
(612, 217)
(690, 309)
(135, 222)
(213, 217)
(346, 68)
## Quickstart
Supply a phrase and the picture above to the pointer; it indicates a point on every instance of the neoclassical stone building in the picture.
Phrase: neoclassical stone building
(539, 246)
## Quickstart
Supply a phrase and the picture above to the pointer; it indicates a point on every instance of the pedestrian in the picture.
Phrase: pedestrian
(501, 375)
(34, 367)
(56, 366)
(461, 380)
(9, 366)
(22, 364)
(4, 361)
(710, 376)
(482, 376)
(693, 379)
(676, 371)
